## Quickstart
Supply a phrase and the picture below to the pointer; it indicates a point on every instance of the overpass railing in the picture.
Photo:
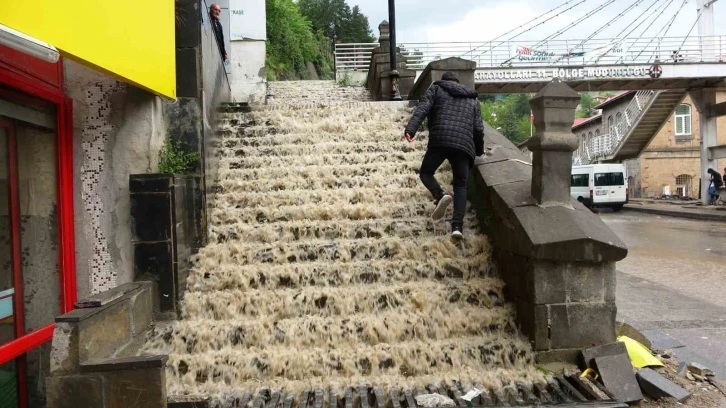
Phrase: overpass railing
(605, 145)
(490, 54)
(353, 56)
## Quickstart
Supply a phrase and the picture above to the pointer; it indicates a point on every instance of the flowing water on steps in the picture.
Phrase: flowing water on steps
(324, 268)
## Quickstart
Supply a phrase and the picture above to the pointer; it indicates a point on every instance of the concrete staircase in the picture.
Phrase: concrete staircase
(324, 271)
(290, 93)
(657, 111)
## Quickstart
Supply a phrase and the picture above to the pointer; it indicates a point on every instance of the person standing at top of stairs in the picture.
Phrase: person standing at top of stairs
(456, 134)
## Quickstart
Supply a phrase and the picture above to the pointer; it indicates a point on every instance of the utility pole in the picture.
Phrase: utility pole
(395, 94)
(705, 98)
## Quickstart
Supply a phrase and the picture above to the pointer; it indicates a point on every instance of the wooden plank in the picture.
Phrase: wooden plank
(528, 395)
(319, 397)
(246, 397)
(484, 398)
(303, 399)
(500, 397)
(380, 397)
(542, 393)
(410, 401)
(363, 395)
(274, 397)
(348, 397)
(288, 400)
(559, 395)
(568, 388)
(513, 394)
(395, 397)
(333, 398)
(456, 392)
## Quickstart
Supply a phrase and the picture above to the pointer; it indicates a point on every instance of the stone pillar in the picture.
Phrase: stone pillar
(553, 143)
(705, 99)
(556, 257)
(379, 81)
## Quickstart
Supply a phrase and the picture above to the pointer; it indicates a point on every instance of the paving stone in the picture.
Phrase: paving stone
(616, 372)
(661, 341)
(606, 350)
(699, 369)
(658, 386)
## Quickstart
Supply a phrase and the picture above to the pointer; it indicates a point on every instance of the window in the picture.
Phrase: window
(619, 120)
(597, 132)
(683, 185)
(609, 179)
(579, 180)
(683, 120)
(610, 125)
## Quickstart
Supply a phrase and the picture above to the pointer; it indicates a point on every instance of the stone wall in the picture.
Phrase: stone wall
(202, 85)
(117, 130)
(248, 78)
(92, 361)
(556, 256)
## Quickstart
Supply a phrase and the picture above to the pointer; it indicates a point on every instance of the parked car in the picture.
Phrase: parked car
(600, 185)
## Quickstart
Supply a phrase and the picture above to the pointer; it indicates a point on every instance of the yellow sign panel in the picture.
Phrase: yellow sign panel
(128, 39)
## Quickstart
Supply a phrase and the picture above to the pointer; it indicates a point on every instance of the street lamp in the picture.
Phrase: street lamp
(395, 94)
(27, 45)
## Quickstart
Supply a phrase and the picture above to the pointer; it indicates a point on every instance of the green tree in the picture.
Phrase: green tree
(337, 20)
(587, 103)
(291, 43)
(509, 115)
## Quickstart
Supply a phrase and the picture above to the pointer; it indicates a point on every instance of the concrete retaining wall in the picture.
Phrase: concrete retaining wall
(556, 256)
(118, 130)
(248, 79)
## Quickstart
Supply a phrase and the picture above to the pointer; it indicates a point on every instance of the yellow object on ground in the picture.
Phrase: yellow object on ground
(639, 355)
(589, 371)
(131, 40)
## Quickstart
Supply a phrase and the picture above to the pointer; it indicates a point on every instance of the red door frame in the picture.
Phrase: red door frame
(64, 192)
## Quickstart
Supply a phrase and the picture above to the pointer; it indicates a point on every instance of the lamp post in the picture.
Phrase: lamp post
(395, 94)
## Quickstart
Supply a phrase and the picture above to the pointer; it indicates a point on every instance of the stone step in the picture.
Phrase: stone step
(389, 147)
(329, 196)
(322, 172)
(386, 178)
(335, 230)
(442, 246)
(316, 136)
(308, 331)
(269, 162)
(408, 297)
(317, 212)
(211, 276)
(485, 352)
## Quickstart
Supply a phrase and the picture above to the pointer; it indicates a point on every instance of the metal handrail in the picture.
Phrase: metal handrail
(595, 52)
(605, 145)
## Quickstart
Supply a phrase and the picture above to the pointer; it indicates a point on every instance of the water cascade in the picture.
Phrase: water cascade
(324, 269)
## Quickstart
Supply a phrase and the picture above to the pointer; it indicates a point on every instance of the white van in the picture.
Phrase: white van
(600, 185)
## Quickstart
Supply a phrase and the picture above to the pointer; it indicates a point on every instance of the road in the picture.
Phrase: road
(672, 285)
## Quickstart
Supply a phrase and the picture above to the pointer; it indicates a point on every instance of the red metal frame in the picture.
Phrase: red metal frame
(64, 164)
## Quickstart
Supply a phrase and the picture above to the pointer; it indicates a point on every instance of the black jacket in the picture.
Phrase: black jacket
(454, 118)
(219, 33)
(716, 179)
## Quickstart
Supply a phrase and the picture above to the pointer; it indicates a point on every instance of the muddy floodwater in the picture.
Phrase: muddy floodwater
(325, 269)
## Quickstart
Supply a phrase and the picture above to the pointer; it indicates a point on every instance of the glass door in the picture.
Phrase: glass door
(29, 260)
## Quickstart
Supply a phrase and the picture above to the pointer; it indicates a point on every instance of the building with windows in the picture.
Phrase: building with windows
(670, 165)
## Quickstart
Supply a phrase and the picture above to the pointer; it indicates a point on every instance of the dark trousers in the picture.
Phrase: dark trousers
(460, 164)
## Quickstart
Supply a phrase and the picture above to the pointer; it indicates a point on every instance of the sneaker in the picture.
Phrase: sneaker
(441, 207)
(456, 233)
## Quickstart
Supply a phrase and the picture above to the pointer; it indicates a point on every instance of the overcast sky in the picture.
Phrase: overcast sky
(481, 20)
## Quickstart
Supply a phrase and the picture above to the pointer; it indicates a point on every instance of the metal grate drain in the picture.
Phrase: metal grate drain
(564, 391)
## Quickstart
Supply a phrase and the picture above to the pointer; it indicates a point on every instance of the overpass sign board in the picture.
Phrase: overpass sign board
(597, 73)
